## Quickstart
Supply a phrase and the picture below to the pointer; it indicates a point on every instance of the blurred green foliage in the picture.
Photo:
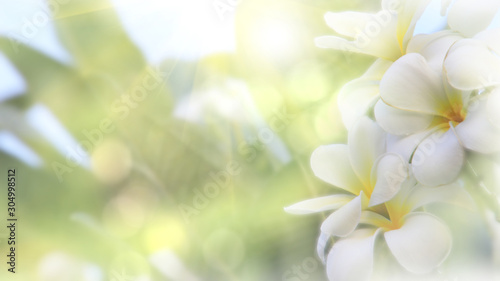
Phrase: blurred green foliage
(243, 232)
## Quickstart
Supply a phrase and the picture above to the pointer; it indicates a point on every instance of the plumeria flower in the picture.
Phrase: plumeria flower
(465, 72)
(417, 98)
(379, 194)
(419, 241)
(383, 35)
(367, 174)
(473, 63)
(357, 97)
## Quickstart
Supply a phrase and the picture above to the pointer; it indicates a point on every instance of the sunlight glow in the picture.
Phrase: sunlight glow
(186, 29)
(277, 39)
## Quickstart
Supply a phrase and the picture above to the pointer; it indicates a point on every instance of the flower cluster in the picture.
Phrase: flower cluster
(427, 105)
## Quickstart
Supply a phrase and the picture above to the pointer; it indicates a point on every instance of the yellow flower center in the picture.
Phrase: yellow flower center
(456, 115)
(394, 215)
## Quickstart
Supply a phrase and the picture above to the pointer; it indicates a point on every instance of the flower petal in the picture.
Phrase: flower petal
(320, 204)
(470, 65)
(363, 45)
(390, 172)
(406, 145)
(332, 164)
(343, 221)
(490, 38)
(347, 23)
(471, 17)
(352, 258)
(373, 34)
(434, 47)
(421, 244)
(323, 241)
(408, 15)
(476, 132)
(363, 154)
(438, 159)
(412, 85)
(374, 219)
(401, 122)
(453, 193)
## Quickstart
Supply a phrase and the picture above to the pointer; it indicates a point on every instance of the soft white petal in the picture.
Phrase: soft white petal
(401, 122)
(470, 17)
(320, 204)
(470, 65)
(398, 202)
(445, 5)
(408, 15)
(323, 241)
(432, 19)
(347, 23)
(372, 218)
(421, 244)
(491, 38)
(412, 85)
(434, 47)
(406, 145)
(438, 159)
(375, 36)
(343, 221)
(420, 42)
(362, 46)
(390, 172)
(362, 153)
(332, 164)
(453, 193)
(477, 132)
(384, 34)
(351, 259)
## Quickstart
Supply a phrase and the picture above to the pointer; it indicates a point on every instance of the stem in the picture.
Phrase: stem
(494, 229)
(484, 196)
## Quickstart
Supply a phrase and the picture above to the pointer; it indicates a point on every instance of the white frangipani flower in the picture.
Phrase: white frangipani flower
(464, 72)
(419, 241)
(416, 98)
(421, 244)
(364, 170)
(357, 97)
(436, 101)
(383, 35)
(473, 63)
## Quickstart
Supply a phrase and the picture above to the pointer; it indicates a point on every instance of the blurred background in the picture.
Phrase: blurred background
(160, 140)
